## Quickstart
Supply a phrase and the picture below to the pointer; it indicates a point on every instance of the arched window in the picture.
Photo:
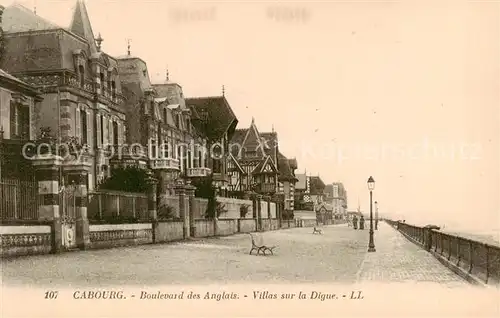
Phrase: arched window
(81, 73)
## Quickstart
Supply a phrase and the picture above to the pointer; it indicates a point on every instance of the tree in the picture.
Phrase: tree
(206, 190)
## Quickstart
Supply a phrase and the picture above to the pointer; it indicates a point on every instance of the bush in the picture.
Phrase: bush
(115, 219)
(244, 211)
(165, 212)
(130, 179)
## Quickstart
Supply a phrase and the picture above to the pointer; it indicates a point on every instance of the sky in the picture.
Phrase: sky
(405, 91)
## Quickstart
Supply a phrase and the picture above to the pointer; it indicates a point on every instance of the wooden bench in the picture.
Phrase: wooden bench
(260, 248)
(317, 231)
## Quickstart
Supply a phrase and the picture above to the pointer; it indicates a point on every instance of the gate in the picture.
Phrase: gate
(67, 208)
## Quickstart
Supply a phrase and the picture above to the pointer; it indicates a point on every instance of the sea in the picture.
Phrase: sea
(486, 233)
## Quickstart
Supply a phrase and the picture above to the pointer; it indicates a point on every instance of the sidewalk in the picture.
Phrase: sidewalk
(398, 260)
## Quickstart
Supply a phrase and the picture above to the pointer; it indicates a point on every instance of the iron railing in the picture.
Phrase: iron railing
(114, 204)
(479, 259)
(19, 200)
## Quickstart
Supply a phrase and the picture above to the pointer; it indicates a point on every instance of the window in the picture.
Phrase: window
(188, 124)
(184, 158)
(113, 89)
(14, 122)
(102, 129)
(200, 159)
(83, 126)
(153, 149)
(165, 115)
(24, 122)
(177, 120)
(251, 153)
(217, 166)
(109, 83)
(115, 133)
(102, 82)
(81, 71)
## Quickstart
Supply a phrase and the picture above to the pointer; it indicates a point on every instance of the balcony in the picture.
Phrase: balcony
(164, 164)
(265, 187)
(198, 172)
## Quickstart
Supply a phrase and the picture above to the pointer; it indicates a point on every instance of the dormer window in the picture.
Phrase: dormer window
(165, 115)
(144, 73)
(81, 73)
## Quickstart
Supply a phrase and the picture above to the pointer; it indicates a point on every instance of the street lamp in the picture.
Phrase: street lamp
(371, 186)
(376, 215)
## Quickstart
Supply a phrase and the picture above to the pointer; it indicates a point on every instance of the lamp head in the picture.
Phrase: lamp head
(371, 183)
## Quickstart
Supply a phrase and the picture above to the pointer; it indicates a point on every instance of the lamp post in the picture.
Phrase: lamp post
(376, 215)
(371, 186)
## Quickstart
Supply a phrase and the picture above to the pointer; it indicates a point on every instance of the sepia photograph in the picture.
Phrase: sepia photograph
(240, 158)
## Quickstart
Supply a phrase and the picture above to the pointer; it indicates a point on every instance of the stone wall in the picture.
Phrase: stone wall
(273, 210)
(167, 231)
(247, 225)
(308, 223)
(233, 207)
(199, 207)
(25, 240)
(172, 201)
(226, 227)
(264, 211)
(113, 235)
(204, 228)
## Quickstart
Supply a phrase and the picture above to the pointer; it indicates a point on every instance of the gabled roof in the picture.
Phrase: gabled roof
(80, 25)
(236, 163)
(326, 206)
(317, 186)
(17, 18)
(253, 140)
(237, 141)
(285, 171)
(260, 168)
(221, 118)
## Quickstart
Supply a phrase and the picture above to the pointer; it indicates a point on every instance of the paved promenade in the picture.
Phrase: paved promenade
(399, 260)
(338, 256)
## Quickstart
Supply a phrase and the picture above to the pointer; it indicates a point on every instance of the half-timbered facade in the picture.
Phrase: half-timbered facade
(254, 163)
(80, 84)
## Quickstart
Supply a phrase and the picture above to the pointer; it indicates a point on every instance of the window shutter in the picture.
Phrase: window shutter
(105, 129)
(77, 123)
(98, 130)
(89, 129)
(120, 133)
(110, 130)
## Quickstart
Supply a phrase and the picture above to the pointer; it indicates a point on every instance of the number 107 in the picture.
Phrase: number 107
(51, 294)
